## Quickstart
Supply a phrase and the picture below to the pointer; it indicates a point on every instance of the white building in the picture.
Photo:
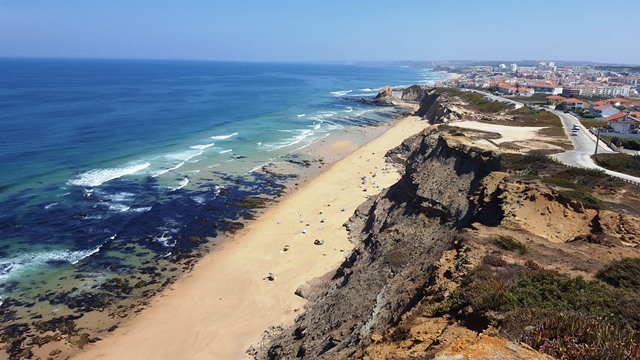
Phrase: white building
(623, 123)
(607, 90)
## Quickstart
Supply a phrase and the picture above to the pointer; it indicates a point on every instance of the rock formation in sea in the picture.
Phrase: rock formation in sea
(383, 98)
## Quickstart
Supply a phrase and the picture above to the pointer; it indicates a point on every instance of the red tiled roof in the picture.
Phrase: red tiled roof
(572, 100)
(616, 116)
(555, 97)
(620, 100)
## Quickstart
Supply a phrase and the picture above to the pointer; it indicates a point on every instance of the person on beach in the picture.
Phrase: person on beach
(270, 277)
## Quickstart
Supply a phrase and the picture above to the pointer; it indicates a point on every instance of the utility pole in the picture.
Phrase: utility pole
(597, 141)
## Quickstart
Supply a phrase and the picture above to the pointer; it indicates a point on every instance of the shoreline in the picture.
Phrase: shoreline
(173, 326)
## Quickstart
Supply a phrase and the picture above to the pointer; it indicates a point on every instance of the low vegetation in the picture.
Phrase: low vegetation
(629, 144)
(624, 274)
(521, 162)
(510, 244)
(623, 163)
(585, 196)
(565, 317)
(592, 123)
(477, 101)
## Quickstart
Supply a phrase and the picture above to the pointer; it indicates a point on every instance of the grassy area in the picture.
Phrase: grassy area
(592, 123)
(585, 196)
(477, 101)
(519, 162)
(510, 244)
(565, 183)
(533, 99)
(623, 163)
(630, 144)
(624, 274)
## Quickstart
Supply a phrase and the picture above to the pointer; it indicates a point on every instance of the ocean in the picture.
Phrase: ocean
(116, 173)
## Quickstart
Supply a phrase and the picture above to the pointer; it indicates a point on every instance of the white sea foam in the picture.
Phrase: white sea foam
(223, 137)
(164, 171)
(141, 209)
(121, 196)
(12, 267)
(165, 240)
(301, 115)
(183, 156)
(47, 207)
(341, 92)
(198, 199)
(259, 143)
(225, 151)
(119, 207)
(184, 182)
(98, 177)
(366, 90)
(302, 134)
(202, 147)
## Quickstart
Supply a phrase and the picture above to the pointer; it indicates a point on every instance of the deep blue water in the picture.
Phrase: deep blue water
(113, 166)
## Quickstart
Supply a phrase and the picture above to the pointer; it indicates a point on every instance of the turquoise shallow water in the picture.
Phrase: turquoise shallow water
(120, 169)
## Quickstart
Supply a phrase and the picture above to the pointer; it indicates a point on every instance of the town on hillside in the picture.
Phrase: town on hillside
(604, 97)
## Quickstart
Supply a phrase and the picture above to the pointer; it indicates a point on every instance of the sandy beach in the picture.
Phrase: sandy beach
(224, 305)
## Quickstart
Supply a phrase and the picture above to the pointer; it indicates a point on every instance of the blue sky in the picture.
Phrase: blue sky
(322, 30)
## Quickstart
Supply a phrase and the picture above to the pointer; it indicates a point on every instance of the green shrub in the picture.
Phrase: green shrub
(565, 183)
(584, 196)
(624, 163)
(519, 162)
(586, 172)
(475, 100)
(624, 273)
(569, 335)
(510, 244)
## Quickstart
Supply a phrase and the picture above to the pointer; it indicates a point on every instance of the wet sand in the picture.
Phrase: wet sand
(223, 306)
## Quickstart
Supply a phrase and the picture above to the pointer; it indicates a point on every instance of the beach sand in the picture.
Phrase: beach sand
(223, 306)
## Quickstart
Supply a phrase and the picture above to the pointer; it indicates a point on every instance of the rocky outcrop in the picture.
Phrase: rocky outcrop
(415, 93)
(439, 107)
(385, 93)
(398, 237)
(383, 98)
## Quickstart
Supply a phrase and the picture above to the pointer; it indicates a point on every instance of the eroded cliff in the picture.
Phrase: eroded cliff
(443, 257)
(398, 235)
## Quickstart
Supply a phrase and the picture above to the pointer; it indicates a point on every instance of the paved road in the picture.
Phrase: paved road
(490, 96)
(584, 143)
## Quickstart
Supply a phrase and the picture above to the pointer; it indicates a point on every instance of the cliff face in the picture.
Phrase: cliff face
(430, 255)
(438, 108)
(398, 234)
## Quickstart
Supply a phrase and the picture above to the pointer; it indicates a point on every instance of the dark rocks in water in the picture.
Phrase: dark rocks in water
(232, 226)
